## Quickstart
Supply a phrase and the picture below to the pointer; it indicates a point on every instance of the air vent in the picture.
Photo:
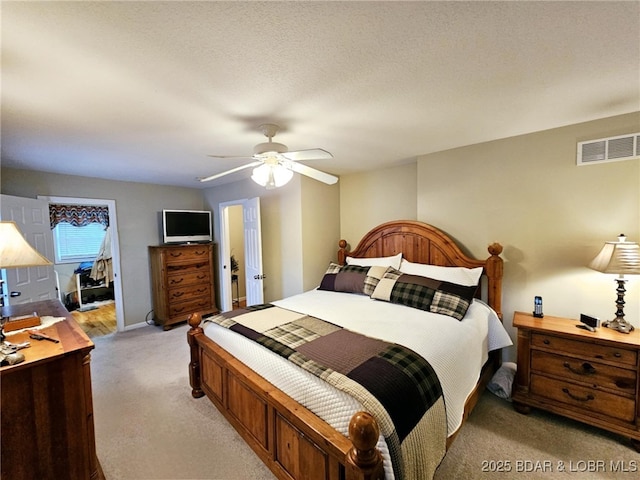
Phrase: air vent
(612, 149)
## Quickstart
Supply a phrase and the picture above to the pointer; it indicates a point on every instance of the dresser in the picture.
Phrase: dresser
(587, 376)
(182, 282)
(47, 407)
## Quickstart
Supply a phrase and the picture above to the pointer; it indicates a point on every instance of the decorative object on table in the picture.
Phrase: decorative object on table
(621, 258)
(15, 252)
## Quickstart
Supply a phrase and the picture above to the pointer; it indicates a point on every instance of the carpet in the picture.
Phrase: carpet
(148, 427)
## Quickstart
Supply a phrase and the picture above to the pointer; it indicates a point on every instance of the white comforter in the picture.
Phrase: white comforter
(456, 349)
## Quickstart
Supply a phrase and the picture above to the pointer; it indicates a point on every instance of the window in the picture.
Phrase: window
(77, 244)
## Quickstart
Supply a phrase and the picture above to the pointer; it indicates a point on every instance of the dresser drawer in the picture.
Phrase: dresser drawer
(594, 374)
(190, 306)
(181, 294)
(188, 255)
(585, 398)
(588, 351)
(189, 277)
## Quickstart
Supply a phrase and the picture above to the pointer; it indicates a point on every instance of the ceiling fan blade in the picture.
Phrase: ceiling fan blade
(233, 170)
(312, 172)
(311, 154)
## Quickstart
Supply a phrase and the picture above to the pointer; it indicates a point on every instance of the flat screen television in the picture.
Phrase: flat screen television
(186, 226)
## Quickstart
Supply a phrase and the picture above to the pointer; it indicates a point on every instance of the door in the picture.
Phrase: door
(25, 285)
(253, 251)
(252, 242)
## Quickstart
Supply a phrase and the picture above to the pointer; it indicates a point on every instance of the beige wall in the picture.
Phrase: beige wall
(320, 229)
(550, 215)
(236, 240)
(371, 198)
(137, 208)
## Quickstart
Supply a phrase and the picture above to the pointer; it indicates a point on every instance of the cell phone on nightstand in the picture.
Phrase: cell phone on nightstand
(537, 307)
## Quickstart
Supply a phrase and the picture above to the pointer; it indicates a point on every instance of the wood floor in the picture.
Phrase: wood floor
(100, 321)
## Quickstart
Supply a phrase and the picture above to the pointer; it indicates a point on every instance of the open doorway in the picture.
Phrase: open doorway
(240, 238)
(92, 290)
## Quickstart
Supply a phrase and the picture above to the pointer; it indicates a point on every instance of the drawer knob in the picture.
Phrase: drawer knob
(617, 355)
(575, 397)
(546, 341)
(586, 369)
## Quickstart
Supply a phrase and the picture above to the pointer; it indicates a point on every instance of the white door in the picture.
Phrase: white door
(253, 251)
(25, 285)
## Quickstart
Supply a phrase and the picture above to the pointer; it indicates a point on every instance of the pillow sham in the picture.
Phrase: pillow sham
(352, 278)
(392, 261)
(459, 275)
(425, 293)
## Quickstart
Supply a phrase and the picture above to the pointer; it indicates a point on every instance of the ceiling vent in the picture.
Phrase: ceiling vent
(612, 149)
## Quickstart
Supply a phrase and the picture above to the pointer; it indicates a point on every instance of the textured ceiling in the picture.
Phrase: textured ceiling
(144, 91)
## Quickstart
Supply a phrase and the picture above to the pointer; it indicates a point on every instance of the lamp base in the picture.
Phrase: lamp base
(619, 324)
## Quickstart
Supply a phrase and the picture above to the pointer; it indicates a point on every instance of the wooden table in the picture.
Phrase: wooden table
(47, 407)
(592, 377)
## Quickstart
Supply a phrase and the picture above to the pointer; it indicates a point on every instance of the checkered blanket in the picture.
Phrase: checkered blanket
(396, 385)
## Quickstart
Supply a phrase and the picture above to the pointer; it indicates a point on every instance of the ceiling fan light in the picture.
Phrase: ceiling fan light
(281, 175)
(271, 176)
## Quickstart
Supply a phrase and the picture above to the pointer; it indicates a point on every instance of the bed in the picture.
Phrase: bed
(305, 426)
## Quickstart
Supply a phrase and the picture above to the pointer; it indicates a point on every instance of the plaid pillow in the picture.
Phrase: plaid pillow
(351, 278)
(425, 293)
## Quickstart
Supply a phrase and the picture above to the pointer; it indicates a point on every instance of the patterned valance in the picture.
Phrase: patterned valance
(78, 215)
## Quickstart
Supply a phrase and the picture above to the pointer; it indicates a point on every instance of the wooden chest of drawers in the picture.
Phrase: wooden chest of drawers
(183, 282)
(592, 377)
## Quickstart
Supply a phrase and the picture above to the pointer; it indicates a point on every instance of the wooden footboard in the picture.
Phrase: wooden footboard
(292, 441)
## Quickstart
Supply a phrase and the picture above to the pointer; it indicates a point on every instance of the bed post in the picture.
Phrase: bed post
(194, 366)
(364, 456)
(494, 268)
(342, 252)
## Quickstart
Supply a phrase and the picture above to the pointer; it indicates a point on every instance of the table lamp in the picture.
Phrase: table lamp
(621, 258)
(15, 252)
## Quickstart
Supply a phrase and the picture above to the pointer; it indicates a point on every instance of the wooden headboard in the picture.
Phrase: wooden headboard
(423, 243)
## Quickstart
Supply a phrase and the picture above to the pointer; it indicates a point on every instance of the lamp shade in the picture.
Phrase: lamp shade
(271, 175)
(619, 257)
(15, 251)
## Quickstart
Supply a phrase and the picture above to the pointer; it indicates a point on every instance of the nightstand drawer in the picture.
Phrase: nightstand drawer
(579, 370)
(585, 349)
(589, 399)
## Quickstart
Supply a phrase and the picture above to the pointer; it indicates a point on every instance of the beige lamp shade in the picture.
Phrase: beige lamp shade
(15, 251)
(619, 257)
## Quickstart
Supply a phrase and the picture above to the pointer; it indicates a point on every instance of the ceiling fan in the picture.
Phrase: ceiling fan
(273, 164)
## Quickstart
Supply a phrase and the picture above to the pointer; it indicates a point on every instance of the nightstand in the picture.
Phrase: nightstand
(591, 377)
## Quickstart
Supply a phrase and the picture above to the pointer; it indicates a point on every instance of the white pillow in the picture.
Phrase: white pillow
(393, 261)
(458, 275)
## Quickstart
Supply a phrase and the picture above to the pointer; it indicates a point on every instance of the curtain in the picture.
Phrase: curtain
(78, 215)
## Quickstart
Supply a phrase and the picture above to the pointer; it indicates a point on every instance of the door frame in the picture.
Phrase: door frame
(115, 245)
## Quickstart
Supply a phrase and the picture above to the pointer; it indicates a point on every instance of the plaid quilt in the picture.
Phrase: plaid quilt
(392, 382)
